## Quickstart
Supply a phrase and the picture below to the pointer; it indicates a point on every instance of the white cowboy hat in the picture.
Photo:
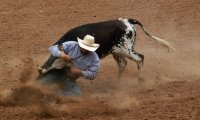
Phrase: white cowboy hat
(88, 43)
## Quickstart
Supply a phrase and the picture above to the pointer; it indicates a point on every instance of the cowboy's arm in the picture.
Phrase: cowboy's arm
(54, 50)
(90, 73)
(92, 70)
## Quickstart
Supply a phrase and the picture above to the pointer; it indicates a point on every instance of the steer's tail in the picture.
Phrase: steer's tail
(159, 40)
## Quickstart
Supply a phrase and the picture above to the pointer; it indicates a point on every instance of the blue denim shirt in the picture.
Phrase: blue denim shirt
(89, 64)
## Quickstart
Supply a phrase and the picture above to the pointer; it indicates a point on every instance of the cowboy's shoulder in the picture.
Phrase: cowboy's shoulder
(71, 43)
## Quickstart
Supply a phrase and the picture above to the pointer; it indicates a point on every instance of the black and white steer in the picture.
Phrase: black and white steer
(116, 37)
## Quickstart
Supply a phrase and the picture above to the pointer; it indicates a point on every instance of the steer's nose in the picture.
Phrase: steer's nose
(41, 71)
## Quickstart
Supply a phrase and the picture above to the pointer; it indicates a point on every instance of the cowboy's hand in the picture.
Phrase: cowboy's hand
(65, 56)
(75, 70)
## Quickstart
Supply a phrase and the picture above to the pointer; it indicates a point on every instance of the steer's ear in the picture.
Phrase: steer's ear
(39, 70)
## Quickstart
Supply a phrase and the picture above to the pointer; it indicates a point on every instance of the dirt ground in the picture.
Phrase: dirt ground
(171, 84)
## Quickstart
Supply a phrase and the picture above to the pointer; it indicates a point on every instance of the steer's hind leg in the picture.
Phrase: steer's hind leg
(139, 59)
(121, 63)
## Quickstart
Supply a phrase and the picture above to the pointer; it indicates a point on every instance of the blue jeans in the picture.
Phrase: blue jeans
(68, 85)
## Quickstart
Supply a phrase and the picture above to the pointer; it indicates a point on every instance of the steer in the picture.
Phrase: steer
(116, 37)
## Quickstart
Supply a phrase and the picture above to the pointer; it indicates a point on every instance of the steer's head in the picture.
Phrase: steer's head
(52, 62)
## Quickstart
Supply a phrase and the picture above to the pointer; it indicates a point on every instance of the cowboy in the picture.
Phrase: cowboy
(83, 62)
